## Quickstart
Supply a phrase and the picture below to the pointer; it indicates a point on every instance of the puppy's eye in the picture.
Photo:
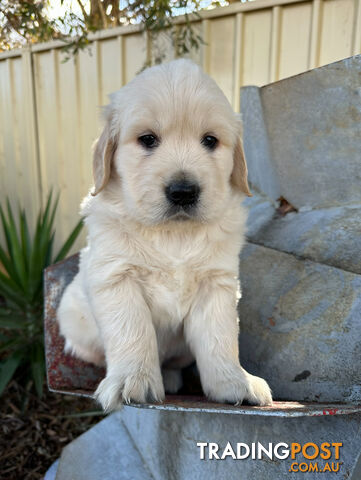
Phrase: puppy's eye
(148, 141)
(210, 142)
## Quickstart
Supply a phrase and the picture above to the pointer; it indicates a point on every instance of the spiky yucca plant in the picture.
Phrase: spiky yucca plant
(21, 291)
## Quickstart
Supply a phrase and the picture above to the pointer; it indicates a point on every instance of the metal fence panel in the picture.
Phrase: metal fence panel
(50, 110)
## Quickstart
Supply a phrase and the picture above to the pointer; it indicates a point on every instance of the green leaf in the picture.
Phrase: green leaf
(8, 264)
(16, 252)
(5, 260)
(9, 290)
(5, 229)
(52, 216)
(34, 269)
(47, 208)
(5, 311)
(69, 242)
(8, 368)
(38, 367)
(12, 322)
(25, 238)
(41, 245)
(48, 219)
(49, 252)
(10, 283)
(3, 338)
(18, 342)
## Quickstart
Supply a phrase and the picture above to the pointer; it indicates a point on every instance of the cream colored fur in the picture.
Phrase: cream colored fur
(154, 292)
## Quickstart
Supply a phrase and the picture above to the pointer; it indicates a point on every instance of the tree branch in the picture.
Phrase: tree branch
(102, 13)
(83, 11)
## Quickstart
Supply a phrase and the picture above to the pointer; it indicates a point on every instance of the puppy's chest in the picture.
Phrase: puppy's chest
(170, 292)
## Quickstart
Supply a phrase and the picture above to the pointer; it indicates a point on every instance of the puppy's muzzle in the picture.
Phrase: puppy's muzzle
(183, 193)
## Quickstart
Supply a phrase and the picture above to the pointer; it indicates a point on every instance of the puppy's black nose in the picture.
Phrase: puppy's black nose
(182, 193)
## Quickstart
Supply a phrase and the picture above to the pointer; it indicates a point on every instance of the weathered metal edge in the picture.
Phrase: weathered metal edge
(302, 411)
(176, 403)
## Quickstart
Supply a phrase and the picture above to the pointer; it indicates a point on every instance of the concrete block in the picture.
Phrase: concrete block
(168, 442)
(300, 326)
(327, 235)
(301, 273)
(309, 128)
(106, 451)
(261, 173)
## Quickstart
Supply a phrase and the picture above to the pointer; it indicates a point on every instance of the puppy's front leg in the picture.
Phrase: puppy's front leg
(211, 330)
(125, 323)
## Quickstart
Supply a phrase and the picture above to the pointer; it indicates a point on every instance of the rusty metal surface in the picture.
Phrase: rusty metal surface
(69, 375)
(64, 372)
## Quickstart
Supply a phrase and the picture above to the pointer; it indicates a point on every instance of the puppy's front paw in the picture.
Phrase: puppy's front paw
(114, 390)
(235, 385)
(258, 391)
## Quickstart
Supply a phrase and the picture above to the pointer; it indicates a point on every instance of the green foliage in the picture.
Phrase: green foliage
(25, 22)
(21, 291)
(22, 22)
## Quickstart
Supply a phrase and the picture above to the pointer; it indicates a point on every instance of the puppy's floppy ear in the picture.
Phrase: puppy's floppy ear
(104, 151)
(240, 172)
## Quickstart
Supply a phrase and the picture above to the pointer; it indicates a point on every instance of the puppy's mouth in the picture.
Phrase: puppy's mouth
(181, 213)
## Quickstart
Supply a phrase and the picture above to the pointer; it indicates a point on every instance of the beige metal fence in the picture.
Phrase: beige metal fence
(49, 110)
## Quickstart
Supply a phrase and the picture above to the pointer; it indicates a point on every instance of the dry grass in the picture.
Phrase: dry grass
(33, 431)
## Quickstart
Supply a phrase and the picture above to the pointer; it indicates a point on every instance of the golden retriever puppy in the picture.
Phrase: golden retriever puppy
(157, 282)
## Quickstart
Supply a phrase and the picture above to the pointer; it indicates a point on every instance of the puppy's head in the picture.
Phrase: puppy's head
(172, 146)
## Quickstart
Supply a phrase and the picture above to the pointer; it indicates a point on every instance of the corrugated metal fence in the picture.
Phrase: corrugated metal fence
(49, 110)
